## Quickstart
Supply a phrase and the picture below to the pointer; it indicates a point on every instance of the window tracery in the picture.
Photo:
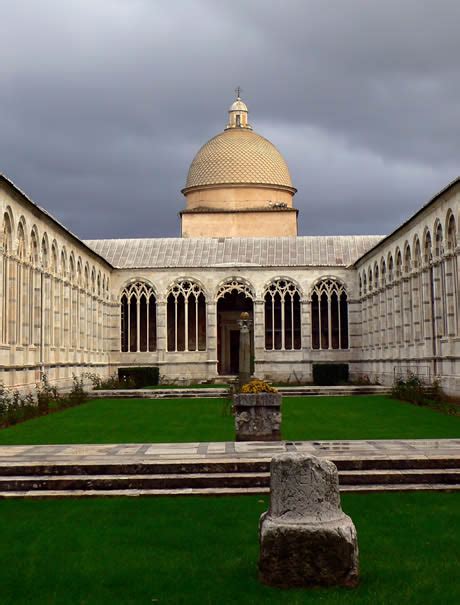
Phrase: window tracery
(235, 285)
(329, 309)
(186, 317)
(282, 316)
(138, 318)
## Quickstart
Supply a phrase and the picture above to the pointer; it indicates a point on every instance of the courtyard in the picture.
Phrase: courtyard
(192, 420)
(204, 549)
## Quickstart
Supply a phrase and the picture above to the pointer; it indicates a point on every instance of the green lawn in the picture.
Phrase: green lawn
(182, 420)
(204, 551)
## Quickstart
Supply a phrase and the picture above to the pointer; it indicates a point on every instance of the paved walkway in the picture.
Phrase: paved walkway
(286, 391)
(148, 452)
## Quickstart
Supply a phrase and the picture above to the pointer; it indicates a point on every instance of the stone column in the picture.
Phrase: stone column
(450, 294)
(364, 337)
(305, 323)
(162, 342)
(417, 310)
(211, 335)
(259, 333)
(390, 318)
(407, 310)
(427, 287)
(245, 349)
(355, 325)
(306, 540)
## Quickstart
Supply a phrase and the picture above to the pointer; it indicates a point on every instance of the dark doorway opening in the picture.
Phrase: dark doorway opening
(229, 308)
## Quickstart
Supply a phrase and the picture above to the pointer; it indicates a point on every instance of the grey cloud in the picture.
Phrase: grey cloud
(104, 103)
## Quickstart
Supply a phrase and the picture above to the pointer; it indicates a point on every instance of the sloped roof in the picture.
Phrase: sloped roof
(331, 250)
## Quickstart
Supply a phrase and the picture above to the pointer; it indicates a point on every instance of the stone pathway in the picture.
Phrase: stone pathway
(212, 392)
(219, 468)
(151, 452)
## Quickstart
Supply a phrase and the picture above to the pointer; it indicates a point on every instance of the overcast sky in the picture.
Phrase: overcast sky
(104, 103)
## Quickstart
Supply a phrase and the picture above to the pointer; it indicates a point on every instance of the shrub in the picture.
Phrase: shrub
(412, 388)
(77, 394)
(330, 374)
(16, 407)
(257, 386)
(111, 383)
(47, 394)
(141, 376)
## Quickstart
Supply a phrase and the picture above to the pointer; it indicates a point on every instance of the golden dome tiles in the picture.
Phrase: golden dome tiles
(238, 156)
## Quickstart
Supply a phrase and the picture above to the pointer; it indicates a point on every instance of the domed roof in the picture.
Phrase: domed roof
(238, 105)
(237, 156)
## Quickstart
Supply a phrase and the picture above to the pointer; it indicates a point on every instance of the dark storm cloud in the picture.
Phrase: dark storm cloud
(104, 103)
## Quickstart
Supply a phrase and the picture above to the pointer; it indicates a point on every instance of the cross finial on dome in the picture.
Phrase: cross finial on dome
(238, 113)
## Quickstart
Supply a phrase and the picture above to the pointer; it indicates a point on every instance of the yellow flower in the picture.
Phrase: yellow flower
(257, 386)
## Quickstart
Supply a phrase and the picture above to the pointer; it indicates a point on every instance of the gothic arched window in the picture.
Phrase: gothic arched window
(7, 233)
(329, 315)
(186, 317)
(138, 318)
(282, 316)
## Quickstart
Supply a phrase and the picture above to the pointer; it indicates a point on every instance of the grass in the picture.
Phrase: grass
(190, 420)
(204, 551)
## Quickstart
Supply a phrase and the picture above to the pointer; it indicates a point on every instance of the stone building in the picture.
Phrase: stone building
(383, 305)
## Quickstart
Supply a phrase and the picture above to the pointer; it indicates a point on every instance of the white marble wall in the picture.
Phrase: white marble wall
(60, 312)
(411, 315)
(57, 311)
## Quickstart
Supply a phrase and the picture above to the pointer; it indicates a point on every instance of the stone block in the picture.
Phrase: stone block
(257, 416)
(305, 537)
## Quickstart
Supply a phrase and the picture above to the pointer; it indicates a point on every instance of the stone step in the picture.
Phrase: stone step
(214, 480)
(127, 482)
(287, 391)
(247, 491)
(219, 465)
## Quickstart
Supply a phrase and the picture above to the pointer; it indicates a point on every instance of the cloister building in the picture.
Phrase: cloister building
(383, 305)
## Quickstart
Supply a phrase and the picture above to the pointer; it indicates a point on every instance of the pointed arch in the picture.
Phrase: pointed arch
(438, 239)
(329, 310)
(427, 247)
(186, 316)
(235, 284)
(407, 258)
(451, 231)
(383, 271)
(376, 276)
(138, 317)
(452, 276)
(417, 261)
(282, 315)
(8, 275)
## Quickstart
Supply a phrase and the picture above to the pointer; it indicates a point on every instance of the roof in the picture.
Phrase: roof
(398, 229)
(6, 181)
(238, 156)
(320, 251)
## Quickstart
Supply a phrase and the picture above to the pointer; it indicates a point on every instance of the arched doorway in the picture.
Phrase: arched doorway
(233, 297)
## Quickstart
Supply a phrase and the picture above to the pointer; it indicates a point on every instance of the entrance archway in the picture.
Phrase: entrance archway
(233, 297)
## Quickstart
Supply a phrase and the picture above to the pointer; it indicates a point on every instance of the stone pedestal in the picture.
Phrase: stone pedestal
(305, 538)
(257, 416)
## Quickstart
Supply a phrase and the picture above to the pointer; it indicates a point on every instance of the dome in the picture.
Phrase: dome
(238, 105)
(238, 156)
